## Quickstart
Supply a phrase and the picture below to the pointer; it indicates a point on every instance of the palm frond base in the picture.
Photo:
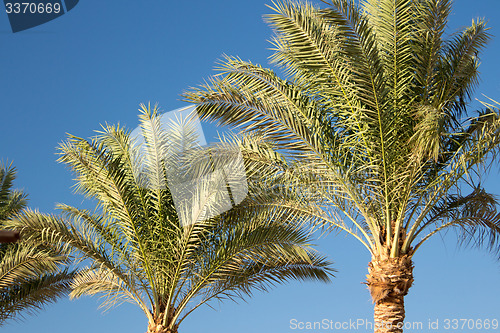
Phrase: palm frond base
(389, 280)
(159, 328)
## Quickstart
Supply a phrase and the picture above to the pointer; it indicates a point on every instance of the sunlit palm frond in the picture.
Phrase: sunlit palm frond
(26, 296)
(11, 201)
(31, 273)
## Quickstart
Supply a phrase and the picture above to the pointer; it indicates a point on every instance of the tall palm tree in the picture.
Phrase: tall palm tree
(31, 275)
(374, 114)
(169, 257)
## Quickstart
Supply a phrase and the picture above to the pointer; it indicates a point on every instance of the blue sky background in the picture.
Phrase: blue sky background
(97, 63)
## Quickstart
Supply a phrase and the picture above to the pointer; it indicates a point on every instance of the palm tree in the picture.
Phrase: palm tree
(168, 257)
(30, 275)
(373, 116)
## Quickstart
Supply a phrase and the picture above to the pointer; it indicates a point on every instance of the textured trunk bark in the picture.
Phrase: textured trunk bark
(389, 280)
(389, 315)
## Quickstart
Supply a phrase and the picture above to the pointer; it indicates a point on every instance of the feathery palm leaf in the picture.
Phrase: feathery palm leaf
(31, 274)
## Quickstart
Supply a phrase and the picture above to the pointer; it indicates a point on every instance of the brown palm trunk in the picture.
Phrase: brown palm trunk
(389, 280)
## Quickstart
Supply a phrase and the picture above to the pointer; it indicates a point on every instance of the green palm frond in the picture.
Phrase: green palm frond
(474, 215)
(30, 295)
(11, 201)
(102, 281)
(24, 263)
(32, 274)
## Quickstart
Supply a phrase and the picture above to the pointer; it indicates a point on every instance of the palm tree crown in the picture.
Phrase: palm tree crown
(373, 112)
(147, 249)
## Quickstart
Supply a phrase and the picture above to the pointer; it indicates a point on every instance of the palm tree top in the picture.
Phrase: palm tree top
(140, 248)
(375, 108)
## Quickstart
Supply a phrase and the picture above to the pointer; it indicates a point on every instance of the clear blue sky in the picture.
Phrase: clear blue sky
(99, 61)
